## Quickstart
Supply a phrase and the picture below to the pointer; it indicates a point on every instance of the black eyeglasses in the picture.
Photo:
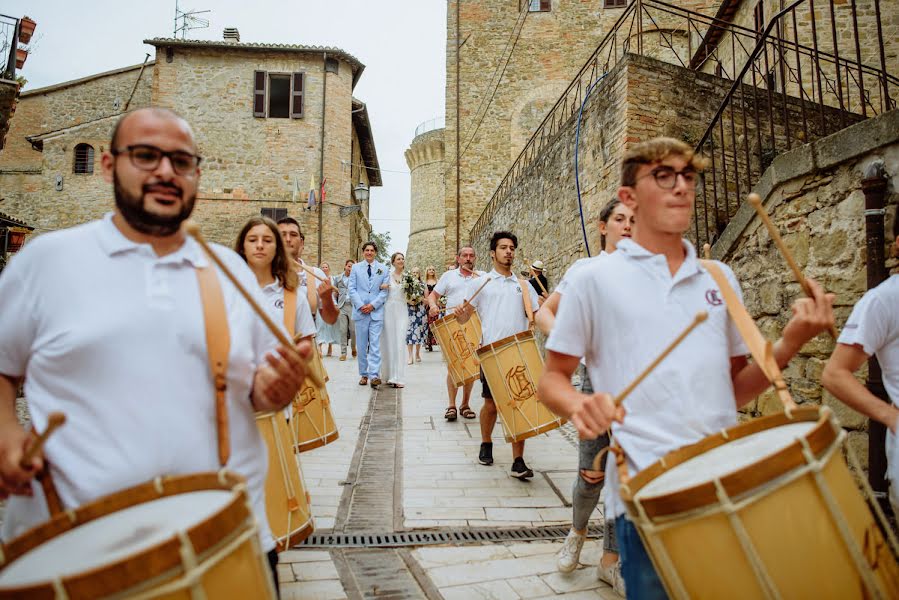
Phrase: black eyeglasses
(666, 177)
(147, 158)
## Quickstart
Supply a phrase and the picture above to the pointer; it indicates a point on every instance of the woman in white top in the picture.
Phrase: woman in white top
(328, 333)
(615, 223)
(396, 322)
(259, 243)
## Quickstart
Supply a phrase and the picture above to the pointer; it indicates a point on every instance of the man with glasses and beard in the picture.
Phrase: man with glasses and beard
(105, 323)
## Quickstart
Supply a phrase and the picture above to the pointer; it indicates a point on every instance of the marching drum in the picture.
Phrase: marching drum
(765, 509)
(286, 499)
(512, 367)
(459, 344)
(178, 537)
(311, 420)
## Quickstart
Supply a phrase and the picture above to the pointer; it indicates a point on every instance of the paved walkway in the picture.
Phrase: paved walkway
(398, 467)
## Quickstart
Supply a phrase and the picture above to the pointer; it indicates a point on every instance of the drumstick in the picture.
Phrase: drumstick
(312, 272)
(756, 203)
(707, 251)
(699, 318)
(194, 231)
(54, 420)
(542, 287)
(477, 291)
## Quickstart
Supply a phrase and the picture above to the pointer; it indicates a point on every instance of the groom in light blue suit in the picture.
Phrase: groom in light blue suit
(368, 299)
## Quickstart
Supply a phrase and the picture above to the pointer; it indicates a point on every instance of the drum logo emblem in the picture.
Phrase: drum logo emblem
(461, 344)
(307, 395)
(519, 383)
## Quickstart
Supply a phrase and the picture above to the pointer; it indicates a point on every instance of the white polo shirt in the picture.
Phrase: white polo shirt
(113, 336)
(500, 306)
(274, 301)
(874, 325)
(619, 313)
(454, 285)
(577, 266)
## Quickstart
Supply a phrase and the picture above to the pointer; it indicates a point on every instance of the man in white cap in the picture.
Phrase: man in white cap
(538, 281)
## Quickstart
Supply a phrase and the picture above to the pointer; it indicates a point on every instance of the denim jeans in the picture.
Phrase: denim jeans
(640, 577)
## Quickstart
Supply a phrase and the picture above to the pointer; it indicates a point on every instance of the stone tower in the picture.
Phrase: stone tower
(425, 158)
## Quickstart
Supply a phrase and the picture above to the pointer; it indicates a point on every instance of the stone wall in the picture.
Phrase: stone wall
(814, 196)
(425, 158)
(639, 99)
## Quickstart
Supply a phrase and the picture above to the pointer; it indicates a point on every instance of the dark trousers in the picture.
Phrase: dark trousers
(273, 565)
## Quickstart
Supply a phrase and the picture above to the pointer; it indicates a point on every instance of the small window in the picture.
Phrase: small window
(758, 16)
(539, 5)
(614, 3)
(84, 159)
(275, 214)
(278, 95)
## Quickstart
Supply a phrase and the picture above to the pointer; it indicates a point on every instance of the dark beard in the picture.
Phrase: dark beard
(132, 209)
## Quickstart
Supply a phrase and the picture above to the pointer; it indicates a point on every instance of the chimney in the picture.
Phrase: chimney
(231, 34)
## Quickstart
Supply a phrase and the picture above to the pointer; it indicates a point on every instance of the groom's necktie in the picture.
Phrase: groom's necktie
(369, 271)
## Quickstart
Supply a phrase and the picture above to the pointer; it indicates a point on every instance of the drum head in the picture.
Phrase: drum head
(725, 459)
(114, 537)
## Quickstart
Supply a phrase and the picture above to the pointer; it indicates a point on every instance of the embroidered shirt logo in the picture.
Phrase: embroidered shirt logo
(279, 303)
(712, 297)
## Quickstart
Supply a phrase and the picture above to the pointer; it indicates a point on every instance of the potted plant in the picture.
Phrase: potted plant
(15, 239)
(26, 29)
(21, 55)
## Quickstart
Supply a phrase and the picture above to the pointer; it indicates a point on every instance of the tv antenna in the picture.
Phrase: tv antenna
(189, 20)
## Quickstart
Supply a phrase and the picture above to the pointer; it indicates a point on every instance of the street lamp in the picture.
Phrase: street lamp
(360, 192)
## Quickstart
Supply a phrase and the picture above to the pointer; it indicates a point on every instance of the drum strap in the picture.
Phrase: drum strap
(760, 348)
(218, 345)
(526, 298)
(290, 311)
(311, 295)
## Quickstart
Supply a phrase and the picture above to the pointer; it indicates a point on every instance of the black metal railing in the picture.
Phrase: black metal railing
(9, 42)
(808, 75)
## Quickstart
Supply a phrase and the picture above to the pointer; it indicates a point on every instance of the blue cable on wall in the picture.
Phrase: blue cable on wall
(577, 178)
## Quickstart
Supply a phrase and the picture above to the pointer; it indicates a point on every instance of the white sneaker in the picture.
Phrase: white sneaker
(567, 558)
(612, 576)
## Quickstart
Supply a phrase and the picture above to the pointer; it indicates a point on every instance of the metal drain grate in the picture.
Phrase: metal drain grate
(426, 538)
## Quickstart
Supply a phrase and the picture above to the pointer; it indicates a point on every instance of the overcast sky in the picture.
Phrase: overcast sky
(400, 42)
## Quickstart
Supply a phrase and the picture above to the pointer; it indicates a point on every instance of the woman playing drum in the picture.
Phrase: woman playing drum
(615, 223)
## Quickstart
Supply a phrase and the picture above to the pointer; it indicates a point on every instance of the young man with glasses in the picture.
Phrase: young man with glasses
(105, 323)
(621, 312)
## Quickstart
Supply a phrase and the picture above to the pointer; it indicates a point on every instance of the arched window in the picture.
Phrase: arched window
(84, 159)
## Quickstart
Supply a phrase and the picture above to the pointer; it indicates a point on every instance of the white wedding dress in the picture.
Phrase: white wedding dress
(393, 336)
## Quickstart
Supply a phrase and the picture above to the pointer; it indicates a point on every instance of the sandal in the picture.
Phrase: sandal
(450, 414)
(467, 412)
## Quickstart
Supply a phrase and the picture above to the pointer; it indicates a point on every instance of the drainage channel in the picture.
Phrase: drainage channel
(372, 501)
(429, 538)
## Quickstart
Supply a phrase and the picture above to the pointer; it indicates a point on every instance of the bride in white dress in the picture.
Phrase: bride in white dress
(396, 322)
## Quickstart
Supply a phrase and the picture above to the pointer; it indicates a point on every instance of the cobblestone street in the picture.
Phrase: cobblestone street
(400, 467)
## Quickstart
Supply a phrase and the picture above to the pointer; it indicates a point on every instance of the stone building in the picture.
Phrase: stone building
(269, 119)
(425, 158)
